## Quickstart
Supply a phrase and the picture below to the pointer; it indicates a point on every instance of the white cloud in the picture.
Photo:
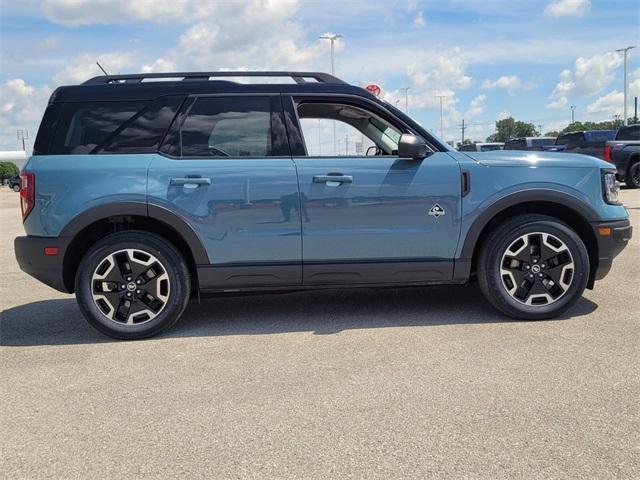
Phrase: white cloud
(73, 13)
(589, 76)
(511, 83)
(419, 21)
(503, 114)
(83, 66)
(568, 8)
(160, 65)
(476, 107)
(444, 71)
(22, 108)
(613, 102)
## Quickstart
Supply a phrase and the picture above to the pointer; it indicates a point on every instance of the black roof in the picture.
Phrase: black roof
(142, 86)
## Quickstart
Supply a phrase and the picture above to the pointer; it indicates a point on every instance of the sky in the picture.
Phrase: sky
(530, 59)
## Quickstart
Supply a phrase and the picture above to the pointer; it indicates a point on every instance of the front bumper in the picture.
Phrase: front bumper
(49, 269)
(610, 245)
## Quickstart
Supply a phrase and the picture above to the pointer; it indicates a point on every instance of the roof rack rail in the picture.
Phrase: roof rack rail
(298, 77)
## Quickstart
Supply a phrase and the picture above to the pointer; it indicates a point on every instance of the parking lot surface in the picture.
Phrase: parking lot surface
(387, 383)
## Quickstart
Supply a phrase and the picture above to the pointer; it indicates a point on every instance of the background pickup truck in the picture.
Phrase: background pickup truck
(590, 142)
(624, 153)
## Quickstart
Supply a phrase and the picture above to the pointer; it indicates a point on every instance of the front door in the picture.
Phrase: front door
(226, 170)
(368, 216)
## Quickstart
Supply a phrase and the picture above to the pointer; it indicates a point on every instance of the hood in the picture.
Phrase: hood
(516, 158)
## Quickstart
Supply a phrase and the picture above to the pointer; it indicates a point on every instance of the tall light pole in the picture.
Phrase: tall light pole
(626, 80)
(332, 37)
(406, 99)
(441, 120)
(573, 109)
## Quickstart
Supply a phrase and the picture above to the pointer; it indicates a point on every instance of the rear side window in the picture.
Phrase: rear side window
(629, 133)
(542, 142)
(601, 136)
(228, 127)
(144, 132)
(516, 144)
(85, 126)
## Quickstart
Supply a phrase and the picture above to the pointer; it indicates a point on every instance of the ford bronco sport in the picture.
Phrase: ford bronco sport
(141, 193)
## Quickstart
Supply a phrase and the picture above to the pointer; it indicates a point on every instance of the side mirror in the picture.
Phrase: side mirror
(412, 146)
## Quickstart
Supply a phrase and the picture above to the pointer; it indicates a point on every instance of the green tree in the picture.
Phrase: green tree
(510, 128)
(7, 170)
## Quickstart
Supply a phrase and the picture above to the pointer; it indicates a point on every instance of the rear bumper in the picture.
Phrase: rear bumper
(49, 269)
(609, 246)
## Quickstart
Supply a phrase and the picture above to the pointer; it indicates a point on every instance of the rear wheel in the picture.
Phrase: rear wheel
(533, 267)
(633, 176)
(132, 285)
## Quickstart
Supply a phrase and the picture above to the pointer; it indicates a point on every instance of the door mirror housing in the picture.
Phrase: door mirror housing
(412, 146)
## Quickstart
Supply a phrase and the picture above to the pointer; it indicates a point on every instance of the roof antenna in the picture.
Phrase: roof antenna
(103, 70)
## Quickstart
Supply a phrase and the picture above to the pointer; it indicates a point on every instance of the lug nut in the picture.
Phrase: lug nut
(535, 260)
(531, 276)
(123, 286)
(138, 281)
(138, 292)
(540, 275)
(128, 279)
(128, 294)
(543, 266)
(527, 267)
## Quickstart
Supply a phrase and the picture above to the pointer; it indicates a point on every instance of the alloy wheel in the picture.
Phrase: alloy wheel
(537, 269)
(130, 287)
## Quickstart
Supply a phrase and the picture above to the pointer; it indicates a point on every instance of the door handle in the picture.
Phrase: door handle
(333, 178)
(182, 181)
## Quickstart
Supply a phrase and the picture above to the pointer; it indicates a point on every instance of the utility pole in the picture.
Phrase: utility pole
(539, 130)
(441, 120)
(332, 37)
(463, 129)
(626, 80)
(23, 134)
(406, 99)
(635, 110)
(573, 108)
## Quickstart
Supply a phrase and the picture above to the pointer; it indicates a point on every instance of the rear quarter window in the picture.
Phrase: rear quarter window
(83, 127)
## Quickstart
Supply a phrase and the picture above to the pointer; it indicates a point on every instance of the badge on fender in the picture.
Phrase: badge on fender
(436, 211)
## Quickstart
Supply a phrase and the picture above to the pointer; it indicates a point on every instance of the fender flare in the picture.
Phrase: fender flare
(140, 209)
(581, 208)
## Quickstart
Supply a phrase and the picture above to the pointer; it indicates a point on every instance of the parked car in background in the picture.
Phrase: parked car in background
(590, 142)
(14, 183)
(624, 153)
(529, 143)
(481, 147)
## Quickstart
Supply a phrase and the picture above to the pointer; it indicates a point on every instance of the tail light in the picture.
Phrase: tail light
(27, 193)
(607, 153)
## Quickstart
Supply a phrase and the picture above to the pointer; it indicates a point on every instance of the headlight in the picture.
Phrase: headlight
(610, 187)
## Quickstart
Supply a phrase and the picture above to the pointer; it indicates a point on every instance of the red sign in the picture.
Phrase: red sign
(373, 89)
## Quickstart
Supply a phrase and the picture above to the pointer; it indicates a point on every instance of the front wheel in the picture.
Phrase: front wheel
(533, 267)
(16, 188)
(132, 285)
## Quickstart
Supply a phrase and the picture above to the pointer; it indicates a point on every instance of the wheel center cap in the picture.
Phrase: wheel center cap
(535, 269)
(131, 286)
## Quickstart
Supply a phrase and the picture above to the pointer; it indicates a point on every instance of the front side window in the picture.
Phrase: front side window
(228, 127)
(335, 129)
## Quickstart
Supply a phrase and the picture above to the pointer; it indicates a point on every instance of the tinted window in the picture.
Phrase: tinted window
(85, 126)
(467, 147)
(516, 144)
(144, 132)
(490, 148)
(569, 138)
(629, 133)
(602, 136)
(541, 142)
(228, 127)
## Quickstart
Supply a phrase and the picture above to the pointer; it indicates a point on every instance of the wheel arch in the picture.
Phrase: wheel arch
(564, 207)
(93, 224)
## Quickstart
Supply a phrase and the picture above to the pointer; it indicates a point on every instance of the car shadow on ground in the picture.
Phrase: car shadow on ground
(59, 322)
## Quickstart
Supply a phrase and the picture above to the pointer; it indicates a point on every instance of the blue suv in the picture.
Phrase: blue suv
(144, 190)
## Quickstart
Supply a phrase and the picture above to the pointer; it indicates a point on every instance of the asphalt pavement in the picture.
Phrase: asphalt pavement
(370, 383)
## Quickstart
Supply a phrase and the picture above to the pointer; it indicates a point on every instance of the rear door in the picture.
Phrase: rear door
(369, 216)
(226, 170)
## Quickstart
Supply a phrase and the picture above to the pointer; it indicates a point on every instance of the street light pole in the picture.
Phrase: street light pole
(332, 37)
(406, 99)
(441, 120)
(626, 80)
(573, 108)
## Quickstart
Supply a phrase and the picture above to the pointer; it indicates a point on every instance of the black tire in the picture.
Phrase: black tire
(16, 188)
(495, 285)
(166, 260)
(633, 175)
